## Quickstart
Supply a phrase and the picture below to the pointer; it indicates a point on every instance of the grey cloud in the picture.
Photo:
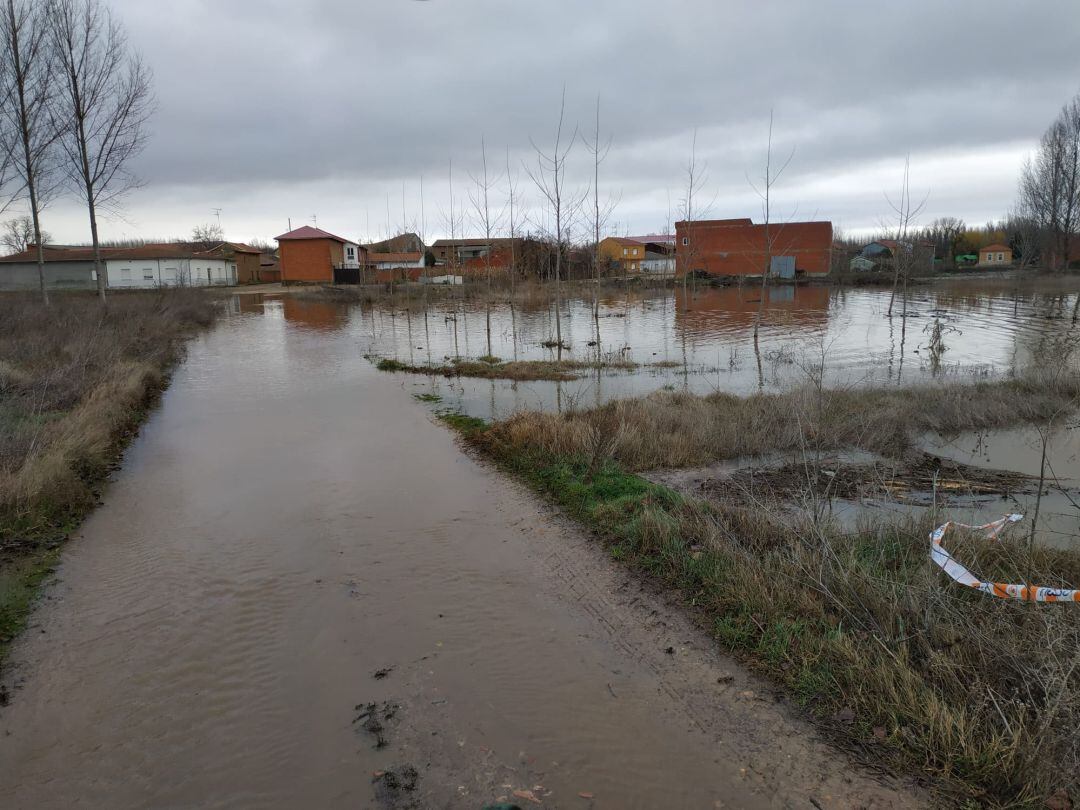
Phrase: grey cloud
(280, 97)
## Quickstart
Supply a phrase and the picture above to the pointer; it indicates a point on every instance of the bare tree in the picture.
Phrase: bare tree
(512, 208)
(772, 232)
(1050, 184)
(28, 70)
(103, 104)
(600, 215)
(18, 234)
(691, 210)
(549, 176)
(488, 222)
(905, 213)
(209, 234)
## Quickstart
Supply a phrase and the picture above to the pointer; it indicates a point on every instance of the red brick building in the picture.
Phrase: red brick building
(737, 247)
(309, 255)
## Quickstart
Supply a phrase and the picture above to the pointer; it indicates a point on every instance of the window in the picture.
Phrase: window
(148, 274)
(125, 274)
(1001, 257)
(624, 251)
(686, 240)
(352, 253)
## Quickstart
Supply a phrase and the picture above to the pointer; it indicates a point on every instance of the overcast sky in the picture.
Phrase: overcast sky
(278, 109)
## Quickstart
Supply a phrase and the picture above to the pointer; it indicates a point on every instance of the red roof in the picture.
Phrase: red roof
(152, 250)
(308, 232)
(995, 248)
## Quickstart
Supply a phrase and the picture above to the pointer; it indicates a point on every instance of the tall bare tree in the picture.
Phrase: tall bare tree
(549, 177)
(27, 73)
(601, 212)
(1050, 184)
(488, 221)
(764, 190)
(18, 234)
(103, 104)
(691, 209)
(905, 212)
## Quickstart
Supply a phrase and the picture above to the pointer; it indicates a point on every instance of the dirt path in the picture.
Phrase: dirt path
(291, 538)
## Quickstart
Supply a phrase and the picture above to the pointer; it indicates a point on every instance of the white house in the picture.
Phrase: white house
(394, 261)
(169, 264)
(171, 271)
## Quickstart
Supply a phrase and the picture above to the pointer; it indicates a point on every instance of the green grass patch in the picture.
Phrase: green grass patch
(427, 397)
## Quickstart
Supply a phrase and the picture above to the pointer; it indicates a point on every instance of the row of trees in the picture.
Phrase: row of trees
(74, 103)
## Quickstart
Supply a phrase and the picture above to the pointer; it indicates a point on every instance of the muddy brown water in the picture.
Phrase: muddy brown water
(288, 523)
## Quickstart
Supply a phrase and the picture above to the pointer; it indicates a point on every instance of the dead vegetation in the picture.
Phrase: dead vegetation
(75, 379)
(677, 429)
(492, 368)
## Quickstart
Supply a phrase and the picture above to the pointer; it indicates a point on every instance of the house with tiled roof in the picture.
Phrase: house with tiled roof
(310, 255)
(155, 264)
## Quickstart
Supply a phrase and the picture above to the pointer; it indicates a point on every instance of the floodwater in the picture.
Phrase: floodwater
(703, 341)
(291, 537)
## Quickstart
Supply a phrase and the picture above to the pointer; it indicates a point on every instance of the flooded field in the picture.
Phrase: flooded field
(703, 341)
(299, 592)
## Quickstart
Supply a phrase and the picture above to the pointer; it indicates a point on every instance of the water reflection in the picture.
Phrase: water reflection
(702, 340)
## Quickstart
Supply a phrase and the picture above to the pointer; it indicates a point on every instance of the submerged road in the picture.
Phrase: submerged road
(291, 537)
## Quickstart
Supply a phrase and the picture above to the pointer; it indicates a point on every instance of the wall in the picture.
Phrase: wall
(247, 267)
(58, 275)
(150, 273)
(309, 260)
(723, 249)
(346, 261)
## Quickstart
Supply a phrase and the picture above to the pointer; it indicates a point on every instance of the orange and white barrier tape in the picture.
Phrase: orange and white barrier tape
(956, 570)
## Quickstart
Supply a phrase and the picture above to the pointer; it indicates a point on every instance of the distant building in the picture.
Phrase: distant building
(473, 256)
(310, 255)
(862, 264)
(737, 247)
(653, 254)
(396, 266)
(623, 252)
(402, 243)
(164, 264)
(995, 256)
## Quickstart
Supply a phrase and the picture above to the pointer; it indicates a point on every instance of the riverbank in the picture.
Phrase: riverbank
(76, 380)
(979, 695)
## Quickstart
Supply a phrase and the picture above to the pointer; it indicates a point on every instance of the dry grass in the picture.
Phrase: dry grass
(75, 379)
(683, 430)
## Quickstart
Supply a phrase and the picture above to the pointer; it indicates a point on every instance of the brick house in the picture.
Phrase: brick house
(737, 247)
(995, 256)
(309, 255)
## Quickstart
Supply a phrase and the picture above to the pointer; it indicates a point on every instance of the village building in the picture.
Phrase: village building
(737, 247)
(995, 256)
(164, 264)
(473, 256)
(309, 255)
(652, 255)
(385, 267)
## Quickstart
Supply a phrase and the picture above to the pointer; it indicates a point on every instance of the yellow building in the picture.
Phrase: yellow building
(627, 254)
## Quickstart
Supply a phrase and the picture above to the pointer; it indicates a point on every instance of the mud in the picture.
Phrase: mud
(291, 522)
